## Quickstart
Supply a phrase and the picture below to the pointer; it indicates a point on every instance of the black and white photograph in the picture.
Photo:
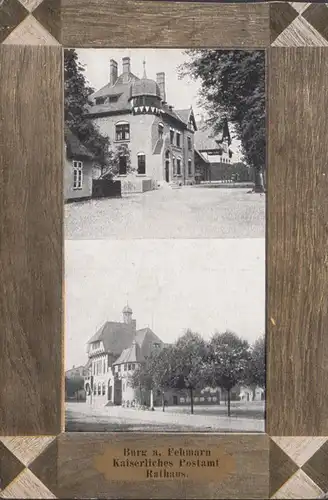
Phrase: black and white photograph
(165, 335)
(165, 202)
(164, 144)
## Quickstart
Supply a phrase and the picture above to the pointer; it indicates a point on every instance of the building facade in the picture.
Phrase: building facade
(78, 169)
(117, 350)
(133, 112)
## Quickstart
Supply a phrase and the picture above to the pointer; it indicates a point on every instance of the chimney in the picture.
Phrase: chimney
(126, 65)
(160, 78)
(113, 71)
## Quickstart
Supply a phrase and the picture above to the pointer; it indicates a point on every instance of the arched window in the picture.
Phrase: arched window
(141, 163)
(104, 389)
(160, 130)
(167, 154)
(122, 131)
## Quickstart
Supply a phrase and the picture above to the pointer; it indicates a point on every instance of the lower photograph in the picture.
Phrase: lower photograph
(165, 335)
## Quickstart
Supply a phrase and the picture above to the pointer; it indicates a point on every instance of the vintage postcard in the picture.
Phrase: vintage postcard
(165, 240)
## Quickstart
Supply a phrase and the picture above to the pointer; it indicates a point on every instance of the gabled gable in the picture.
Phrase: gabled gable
(186, 116)
(115, 336)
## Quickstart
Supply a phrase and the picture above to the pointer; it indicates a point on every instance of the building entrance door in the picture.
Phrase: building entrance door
(118, 392)
(167, 171)
(110, 392)
(175, 400)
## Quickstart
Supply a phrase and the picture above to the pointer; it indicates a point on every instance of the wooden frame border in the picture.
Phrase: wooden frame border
(35, 457)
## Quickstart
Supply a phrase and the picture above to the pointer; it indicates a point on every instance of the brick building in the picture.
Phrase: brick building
(134, 111)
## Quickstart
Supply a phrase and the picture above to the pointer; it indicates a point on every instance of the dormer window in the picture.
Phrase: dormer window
(113, 98)
(96, 345)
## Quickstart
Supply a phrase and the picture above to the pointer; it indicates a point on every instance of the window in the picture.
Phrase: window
(103, 389)
(189, 144)
(189, 167)
(100, 100)
(94, 389)
(95, 345)
(122, 131)
(173, 164)
(133, 366)
(178, 139)
(141, 163)
(122, 165)
(178, 166)
(99, 389)
(171, 136)
(125, 368)
(113, 98)
(129, 366)
(77, 174)
(119, 368)
(160, 130)
(167, 154)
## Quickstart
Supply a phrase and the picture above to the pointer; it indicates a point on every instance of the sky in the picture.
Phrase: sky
(171, 285)
(180, 93)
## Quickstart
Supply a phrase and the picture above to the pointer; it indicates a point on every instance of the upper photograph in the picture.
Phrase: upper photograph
(164, 143)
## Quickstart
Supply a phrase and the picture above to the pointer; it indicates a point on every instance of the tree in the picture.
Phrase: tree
(233, 90)
(77, 102)
(114, 158)
(229, 357)
(190, 358)
(73, 385)
(257, 373)
(157, 372)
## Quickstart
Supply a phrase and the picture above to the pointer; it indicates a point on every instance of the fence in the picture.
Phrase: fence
(103, 188)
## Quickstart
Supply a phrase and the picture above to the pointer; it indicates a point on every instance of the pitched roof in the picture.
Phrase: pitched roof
(201, 156)
(206, 139)
(121, 90)
(74, 147)
(115, 336)
(185, 116)
(146, 339)
(140, 348)
(130, 355)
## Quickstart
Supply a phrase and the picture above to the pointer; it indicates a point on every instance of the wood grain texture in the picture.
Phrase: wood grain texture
(12, 13)
(79, 473)
(297, 242)
(30, 5)
(27, 485)
(131, 23)
(48, 14)
(31, 215)
(298, 486)
(30, 32)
